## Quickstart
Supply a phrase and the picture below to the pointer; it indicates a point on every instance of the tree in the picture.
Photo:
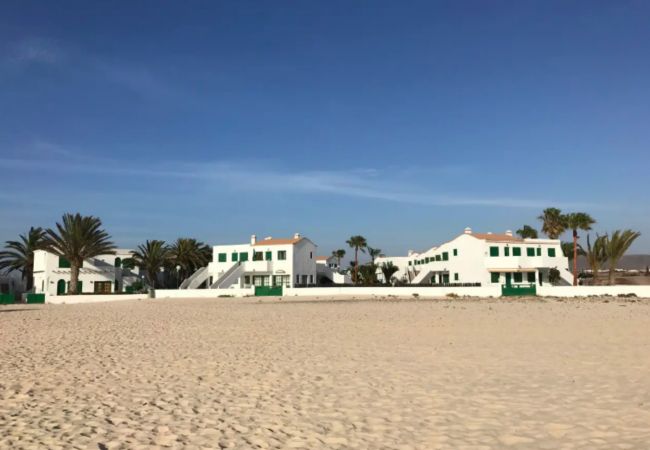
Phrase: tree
(527, 232)
(19, 255)
(188, 255)
(553, 275)
(150, 257)
(616, 246)
(388, 269)
(77, 238)
(373, 253)
(368, 274)
(338, 254)
(553, 222)
(358, 243)
(596, 255)
(567, 250)
(574, 222)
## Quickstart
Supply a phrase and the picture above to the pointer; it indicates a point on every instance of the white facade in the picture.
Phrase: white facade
(329, 271)
(102, 274)
(484, 259)
(268, 262)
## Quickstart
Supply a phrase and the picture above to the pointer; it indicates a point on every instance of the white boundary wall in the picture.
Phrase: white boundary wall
(204, 293)
(406, 291)
(77, 299)
(587, 291)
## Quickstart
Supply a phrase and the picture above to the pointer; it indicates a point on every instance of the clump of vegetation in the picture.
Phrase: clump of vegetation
(630, 295)
(452, 295)
(416, 295)
(553, 275)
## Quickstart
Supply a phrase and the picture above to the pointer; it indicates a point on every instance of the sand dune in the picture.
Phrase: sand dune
(243, 373)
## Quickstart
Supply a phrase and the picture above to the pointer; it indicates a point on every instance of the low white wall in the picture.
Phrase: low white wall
(586, 291)
(406, 291)
(76, 299)
(203, 293)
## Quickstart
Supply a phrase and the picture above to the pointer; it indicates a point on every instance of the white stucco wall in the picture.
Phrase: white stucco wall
(79, 299)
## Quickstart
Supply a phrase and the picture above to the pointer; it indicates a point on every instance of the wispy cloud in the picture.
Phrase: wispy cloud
(34, 51)
(237, 177)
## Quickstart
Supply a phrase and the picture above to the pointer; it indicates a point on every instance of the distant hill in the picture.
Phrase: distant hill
(627, 262)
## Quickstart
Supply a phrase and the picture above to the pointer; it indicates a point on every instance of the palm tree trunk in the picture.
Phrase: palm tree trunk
(74, 277)
(356, 265)
(575, 257)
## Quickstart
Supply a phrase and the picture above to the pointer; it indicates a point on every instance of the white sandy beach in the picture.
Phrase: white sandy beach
(243, 373)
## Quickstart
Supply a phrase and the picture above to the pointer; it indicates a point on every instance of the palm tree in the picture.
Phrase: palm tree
(78, 238)
(596, 255)
(357, 243)
(567, 251)
(574, 222)
(388, 269)
(527, 232)
(338, 254)
(150, 257)
(369, 274)
(374, 253)
(553, 222)
(616, 246)
(19, 255)
(189, 255)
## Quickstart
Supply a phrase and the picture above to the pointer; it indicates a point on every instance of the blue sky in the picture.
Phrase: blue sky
(401, 121)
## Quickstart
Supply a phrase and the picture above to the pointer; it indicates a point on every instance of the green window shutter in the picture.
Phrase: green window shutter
(247, 279)
(494, 251)
(539, 251)
(506, 251)
(63, 263)
(455, 277)
(223, 257)
(494, 277)
(410, 263)
(243, 256)
(519, 277)
(234, 257)
(438, 258)
(455, 252)
(445, 278)
(551, 252)
(282, 255)
(269, 256)
(530, 277)
(516, 251)
(530, 251)
(445, 256)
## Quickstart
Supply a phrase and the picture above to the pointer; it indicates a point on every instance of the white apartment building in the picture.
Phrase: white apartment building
(268, 262)
(474, 259)
(329, 272)
(104, 274)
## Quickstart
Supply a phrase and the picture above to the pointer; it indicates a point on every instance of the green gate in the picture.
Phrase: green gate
(35, 298)
(268, 291)
(514, 290)
(6, 299)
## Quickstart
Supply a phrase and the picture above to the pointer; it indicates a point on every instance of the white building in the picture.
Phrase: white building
(104, 274)
(269, 262)
(483, 259)
(329, 272)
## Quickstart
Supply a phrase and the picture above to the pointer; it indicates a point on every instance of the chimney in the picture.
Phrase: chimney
(468, 230)
(508, 232)
(253, 239)
(296, 236)
(489, 232)
(268, 238)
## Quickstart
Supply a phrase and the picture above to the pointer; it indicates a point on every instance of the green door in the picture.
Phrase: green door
(60, 287)
(508, 279)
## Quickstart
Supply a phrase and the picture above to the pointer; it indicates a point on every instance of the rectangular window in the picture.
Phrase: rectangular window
(297, 279)
(530, 276)
(234, 257)
(455, 252)
(268, 256)
(530, 251)
(506, 251)
(223, 257)
(539, 251)
(494, 277)
(63, 263)
(445, 256)
(494, 251)
(282, 255)
(438, 258)
(102, 287)
(516, 251)
(311, 255)
(258, 256)
(243, 256)
(519, 277)
(445, 278)
(247, 279)
(311, 279)
(551, 252)
(455, 277)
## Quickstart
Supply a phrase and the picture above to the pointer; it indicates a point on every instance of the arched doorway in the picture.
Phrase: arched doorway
(118, 262)
(60, 287)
